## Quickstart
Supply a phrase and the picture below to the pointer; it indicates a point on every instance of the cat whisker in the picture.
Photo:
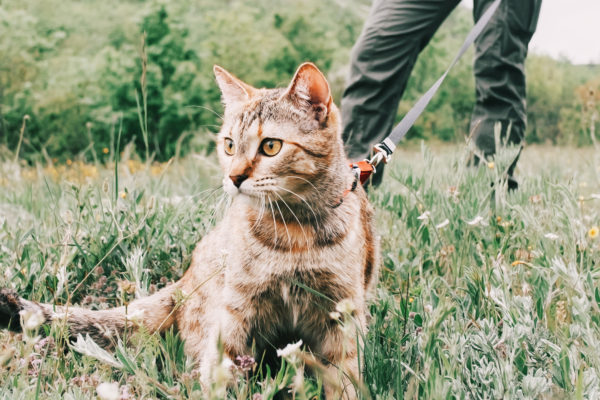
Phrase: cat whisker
(297, 219)
(263, 208)
(274, 221)
(261, 212)
(208, 109)
(284, 224)
(206, 194)
(303, 179)
(302, 199)
(217, 206)
(200, 193)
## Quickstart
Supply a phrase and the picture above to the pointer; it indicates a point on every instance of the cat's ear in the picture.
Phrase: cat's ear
(309, 90)
(233, 90)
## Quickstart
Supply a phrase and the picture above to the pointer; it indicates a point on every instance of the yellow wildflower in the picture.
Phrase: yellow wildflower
(105, 150)
(593, 232)
(491, 165)
(123, 195)
(156, 169)
(69, 162)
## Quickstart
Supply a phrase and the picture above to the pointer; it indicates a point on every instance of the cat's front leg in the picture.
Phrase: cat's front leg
(227, 339)
(340, 350)
(342, 380)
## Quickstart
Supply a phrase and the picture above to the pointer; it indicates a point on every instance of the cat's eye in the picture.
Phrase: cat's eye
(271, 147)
(229, 146)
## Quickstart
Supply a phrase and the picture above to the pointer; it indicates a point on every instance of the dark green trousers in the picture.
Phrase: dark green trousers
(396, 31)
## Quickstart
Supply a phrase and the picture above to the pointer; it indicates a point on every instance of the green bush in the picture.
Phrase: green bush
(76, 69)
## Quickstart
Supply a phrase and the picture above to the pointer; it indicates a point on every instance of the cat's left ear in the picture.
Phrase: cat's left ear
(309, 90)
(233, 90)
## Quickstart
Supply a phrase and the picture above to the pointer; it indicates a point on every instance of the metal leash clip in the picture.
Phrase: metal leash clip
(365, 168)
(382, 153)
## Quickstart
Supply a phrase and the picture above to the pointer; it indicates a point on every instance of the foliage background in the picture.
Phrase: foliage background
(76, 68)
(483, 293)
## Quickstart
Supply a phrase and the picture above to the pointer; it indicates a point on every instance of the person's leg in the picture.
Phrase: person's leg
(499, 68)
(384, 55)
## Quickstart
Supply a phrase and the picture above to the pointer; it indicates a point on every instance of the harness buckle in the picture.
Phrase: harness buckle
(363, 170)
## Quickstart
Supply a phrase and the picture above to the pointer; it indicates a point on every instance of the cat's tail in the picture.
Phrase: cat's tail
(155, 313)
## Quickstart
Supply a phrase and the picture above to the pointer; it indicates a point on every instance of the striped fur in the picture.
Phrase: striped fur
(275, 267)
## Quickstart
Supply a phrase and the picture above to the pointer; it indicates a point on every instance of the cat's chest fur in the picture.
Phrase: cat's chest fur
(281, 308)
(257, 273)
(289, 294)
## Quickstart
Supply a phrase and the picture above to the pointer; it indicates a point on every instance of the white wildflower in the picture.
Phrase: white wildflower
(335, 315)
(424, 216)
(346, 307)
(223, 375)
(31, 319)
(108, 391)
(291, 352)
(478, 220)
(551, 236)
(442, 224)
(453, 191)
(428, 308)
(136, 316)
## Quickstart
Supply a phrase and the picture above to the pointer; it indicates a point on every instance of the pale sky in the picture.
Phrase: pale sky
(569, 28)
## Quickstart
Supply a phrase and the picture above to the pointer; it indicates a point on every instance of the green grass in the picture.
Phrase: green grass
(500, 301)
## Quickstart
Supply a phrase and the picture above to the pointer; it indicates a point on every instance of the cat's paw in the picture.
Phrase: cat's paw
(10, 305)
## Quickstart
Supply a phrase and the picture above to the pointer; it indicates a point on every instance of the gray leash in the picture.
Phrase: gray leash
(385, 149)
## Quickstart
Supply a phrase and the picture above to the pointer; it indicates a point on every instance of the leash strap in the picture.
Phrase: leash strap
(385, 149)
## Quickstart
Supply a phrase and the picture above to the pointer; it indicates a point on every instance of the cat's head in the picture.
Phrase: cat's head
(280, 143)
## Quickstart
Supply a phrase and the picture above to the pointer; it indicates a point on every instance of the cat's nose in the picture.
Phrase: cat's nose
(238, 179)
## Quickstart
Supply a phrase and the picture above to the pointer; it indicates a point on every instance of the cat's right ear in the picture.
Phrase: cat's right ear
(233, 90)
(310, 91)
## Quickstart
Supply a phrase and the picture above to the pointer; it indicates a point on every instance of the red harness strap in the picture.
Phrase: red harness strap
(364, 169)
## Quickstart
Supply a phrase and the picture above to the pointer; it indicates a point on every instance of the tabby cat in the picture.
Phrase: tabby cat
(295, 241)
